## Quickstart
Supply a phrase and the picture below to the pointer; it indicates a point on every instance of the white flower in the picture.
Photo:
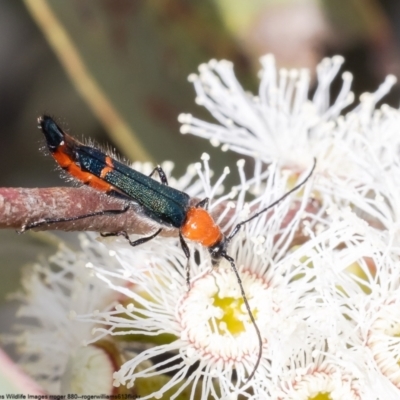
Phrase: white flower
(313, 378)
(281, 122)
(357, 151)
(368, 294)
(337, 355)
(320, 380)
(50, 339)
(214, 338)
(356, 270)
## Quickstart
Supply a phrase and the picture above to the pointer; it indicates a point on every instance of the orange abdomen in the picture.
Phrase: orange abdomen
(200, 227)
(65, 161)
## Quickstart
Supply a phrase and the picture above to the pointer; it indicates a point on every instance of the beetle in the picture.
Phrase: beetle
(157, 200)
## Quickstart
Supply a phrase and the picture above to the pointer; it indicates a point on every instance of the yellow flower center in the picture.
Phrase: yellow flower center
(216, 322)
(321, 396)
(233, 315)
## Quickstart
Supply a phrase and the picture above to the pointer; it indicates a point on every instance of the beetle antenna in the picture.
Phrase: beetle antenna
(240, 224)
(246, 303)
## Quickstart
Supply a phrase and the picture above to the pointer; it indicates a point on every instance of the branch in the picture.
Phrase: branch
(21, 206)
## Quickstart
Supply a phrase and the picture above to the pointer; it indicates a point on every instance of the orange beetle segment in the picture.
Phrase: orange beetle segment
(99, 184)
(107, 169)
(201, 228)
(66, 162)
(62, 158)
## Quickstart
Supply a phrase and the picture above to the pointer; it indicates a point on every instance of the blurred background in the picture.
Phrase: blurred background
(116, 71)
